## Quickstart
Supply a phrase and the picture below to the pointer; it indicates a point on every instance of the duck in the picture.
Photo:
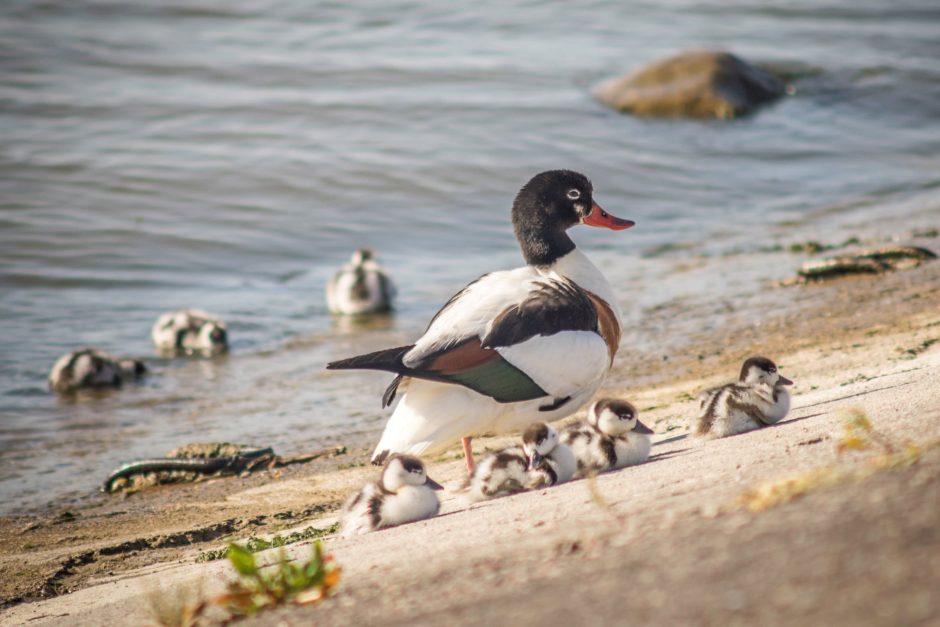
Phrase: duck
(190, 331)
(540, 462)
(612, 437)
(360, 287)
(91, 368)
(757, 399)
(514, 346)
(404, 493)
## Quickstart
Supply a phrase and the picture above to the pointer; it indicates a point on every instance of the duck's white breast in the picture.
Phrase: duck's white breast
(632, 449)
(408, 504)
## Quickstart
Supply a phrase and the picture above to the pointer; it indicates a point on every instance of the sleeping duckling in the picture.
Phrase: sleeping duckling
(550, 461)
(403, 494)
(360, 287)
(499, 474)
(92, 368)
(541, 461)
(613, 437)
(190, 331)
(756, 400)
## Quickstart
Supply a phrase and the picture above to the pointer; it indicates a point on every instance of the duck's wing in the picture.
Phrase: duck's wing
(513, 336)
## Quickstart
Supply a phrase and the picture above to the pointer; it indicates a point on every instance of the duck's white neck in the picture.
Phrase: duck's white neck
(577, 267)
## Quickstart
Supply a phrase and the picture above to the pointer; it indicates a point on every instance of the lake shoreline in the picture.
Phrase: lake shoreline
(858, 342)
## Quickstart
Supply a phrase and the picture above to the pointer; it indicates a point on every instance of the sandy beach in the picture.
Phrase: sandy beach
(669, 541)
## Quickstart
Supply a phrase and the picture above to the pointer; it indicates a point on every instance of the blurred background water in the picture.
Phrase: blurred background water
(229, 155)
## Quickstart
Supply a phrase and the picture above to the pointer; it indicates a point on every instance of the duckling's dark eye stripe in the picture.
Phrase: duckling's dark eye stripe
(412, 465)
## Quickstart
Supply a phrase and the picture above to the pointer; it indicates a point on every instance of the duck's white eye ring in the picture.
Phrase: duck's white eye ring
(574, 194)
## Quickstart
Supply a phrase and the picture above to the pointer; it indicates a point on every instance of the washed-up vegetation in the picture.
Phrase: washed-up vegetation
(858, 435)
(199, 461)
(868, 261)
(255, 544)
(257, 587)
(911, 353)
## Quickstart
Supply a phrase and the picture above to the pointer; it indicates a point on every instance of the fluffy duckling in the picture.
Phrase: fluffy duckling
(92, 368)
(403, 494)
(541, 461)
(550, 461)
(360, 287)
(613, 437)
(190, 331)
(499, 474)
(756, 400)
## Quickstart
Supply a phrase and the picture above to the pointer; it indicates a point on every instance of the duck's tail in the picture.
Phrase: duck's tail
(388, 359)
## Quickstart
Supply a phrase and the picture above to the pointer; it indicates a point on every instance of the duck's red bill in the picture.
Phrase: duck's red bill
(600, 218)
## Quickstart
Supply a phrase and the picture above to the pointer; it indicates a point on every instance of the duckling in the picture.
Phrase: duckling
(360, 287)
(541, 461)
(550, 461)
(190, 331)
(499, 474)
(756, 400)
(613, 437)
(403, 494)
(92, 368)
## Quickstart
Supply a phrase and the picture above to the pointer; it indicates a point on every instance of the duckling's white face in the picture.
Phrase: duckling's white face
(612, 417)
(760, 370)
(403, 470)
(539, 440)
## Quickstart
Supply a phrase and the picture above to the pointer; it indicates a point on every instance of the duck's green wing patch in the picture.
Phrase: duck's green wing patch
(481, 369)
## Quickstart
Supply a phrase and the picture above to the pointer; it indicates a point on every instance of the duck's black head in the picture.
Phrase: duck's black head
(550, 204)
(761, 369)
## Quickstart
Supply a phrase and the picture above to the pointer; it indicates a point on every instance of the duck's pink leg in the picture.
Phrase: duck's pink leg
(467, 453)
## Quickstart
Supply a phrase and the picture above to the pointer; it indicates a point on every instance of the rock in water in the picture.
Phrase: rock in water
(693, 84)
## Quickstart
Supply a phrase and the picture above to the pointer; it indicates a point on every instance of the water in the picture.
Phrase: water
(228, 155)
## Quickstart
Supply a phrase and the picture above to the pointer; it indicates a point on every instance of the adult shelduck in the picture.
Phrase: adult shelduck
(512, 347)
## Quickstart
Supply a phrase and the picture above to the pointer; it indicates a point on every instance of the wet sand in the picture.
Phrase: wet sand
(664, 541)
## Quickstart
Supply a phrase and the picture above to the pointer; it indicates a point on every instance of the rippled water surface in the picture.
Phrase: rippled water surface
(229, 154)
